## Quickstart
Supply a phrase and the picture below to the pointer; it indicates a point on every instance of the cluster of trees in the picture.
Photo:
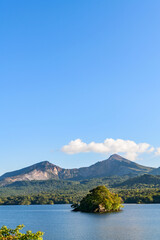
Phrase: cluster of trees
(140, 195)
(41, 199)
(12, 234)
(99, 199)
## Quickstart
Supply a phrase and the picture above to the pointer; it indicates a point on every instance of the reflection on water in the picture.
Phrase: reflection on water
(134, 222)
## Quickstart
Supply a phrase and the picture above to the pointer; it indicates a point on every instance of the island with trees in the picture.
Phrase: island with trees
(99, 200)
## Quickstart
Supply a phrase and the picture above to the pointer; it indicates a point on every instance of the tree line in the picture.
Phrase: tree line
(128, 196)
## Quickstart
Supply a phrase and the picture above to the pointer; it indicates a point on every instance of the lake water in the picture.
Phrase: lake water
(134, 222)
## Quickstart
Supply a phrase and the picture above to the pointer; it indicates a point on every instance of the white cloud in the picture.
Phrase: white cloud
(157, 153)
(109, 146)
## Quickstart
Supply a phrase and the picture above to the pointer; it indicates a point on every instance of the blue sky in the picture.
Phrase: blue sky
(72, 70)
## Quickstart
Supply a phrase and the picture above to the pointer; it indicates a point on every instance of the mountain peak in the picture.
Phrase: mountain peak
(44, 163)
(116, 157)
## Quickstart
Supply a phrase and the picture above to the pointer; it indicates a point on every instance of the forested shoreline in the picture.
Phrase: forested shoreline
(128, 196)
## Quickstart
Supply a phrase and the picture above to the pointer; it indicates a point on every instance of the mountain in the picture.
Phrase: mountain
(40, 171)
(115, 165)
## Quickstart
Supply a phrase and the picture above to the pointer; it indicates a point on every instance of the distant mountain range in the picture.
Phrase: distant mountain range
(115, 165)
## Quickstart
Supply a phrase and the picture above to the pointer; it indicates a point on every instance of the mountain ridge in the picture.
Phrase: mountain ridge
(115, 165)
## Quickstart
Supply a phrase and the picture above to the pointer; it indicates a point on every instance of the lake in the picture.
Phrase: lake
(134, 222)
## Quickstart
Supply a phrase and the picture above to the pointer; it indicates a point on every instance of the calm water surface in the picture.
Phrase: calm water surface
(135, 222)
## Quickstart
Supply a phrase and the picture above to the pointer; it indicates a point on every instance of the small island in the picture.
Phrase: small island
(99, 200)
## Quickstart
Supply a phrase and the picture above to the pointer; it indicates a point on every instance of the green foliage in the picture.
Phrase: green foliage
(9, 234)
(141, 189)
(42, 199)
(100, 199)
(140, 195)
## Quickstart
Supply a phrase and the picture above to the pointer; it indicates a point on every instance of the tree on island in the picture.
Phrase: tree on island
(10, 234)
(99, 200)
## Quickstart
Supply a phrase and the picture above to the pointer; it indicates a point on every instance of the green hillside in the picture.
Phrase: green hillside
(140, 182)
(58, 186)
(142, 189)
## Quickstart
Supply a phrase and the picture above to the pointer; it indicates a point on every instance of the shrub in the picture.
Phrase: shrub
(10, 234)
